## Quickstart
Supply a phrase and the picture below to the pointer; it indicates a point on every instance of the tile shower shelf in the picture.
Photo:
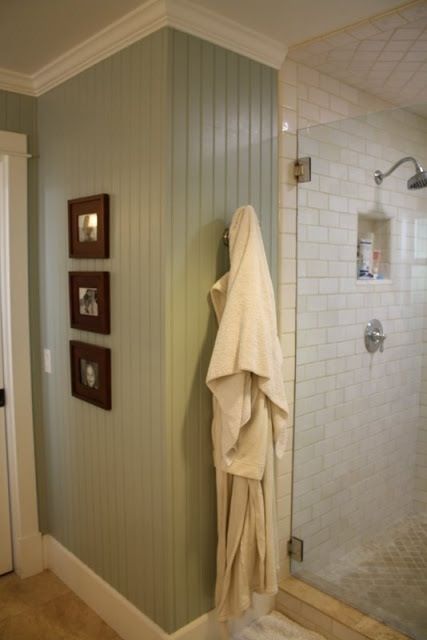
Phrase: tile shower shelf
(373, 282)
(378, 227)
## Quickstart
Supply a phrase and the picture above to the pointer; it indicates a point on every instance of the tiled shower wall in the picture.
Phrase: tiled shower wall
(306, 98)
(358, 415)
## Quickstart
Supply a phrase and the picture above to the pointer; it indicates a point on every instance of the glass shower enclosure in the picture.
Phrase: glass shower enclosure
(360, 449)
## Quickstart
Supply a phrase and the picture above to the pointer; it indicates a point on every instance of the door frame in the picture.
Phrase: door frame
(14, 291)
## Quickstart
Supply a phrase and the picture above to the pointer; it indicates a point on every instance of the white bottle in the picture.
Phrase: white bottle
(366, 250)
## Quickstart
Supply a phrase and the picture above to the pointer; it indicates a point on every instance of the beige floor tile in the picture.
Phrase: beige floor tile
(32, 626)
(70, 615)
(33, 591)
(43, 608)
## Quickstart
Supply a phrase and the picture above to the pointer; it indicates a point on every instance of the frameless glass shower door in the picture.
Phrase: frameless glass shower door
(360, 465)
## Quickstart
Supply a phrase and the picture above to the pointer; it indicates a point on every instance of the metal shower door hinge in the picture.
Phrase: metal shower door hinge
(296, 549)
(302, 169)
(2, 398)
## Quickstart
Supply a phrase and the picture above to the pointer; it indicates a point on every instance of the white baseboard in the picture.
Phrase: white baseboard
(128, 621)
(28, 555)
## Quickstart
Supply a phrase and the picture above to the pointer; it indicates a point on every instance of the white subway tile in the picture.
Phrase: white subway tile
(288, 95)
(308, 76)
(317, 200)
(337, 203)
(318, 97)
(329, 219)
(288, 72)
(360, 402)
(289, 245)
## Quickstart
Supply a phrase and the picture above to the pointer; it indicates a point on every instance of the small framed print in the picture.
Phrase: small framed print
(91, 373)
(88, 227)
(90, 300)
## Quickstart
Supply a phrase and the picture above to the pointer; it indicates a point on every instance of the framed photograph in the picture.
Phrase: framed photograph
(90, 300)
(91, 373)
(88, 227)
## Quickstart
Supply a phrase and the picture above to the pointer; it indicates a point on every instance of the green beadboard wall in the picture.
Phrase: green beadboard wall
(103, 131)
(179, 132)
(223, 154)
(18, 113)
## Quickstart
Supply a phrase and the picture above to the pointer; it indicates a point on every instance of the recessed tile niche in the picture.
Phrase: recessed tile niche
(377, 227)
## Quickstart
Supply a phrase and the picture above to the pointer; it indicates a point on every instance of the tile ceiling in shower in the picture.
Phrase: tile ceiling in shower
(385, 56)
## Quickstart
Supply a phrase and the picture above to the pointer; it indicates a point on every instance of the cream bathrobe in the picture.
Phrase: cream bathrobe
(250, 412)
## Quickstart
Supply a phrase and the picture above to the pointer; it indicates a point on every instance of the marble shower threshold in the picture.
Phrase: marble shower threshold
(328, 616)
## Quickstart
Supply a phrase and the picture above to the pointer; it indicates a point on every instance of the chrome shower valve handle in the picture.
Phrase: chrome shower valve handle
(374, 336)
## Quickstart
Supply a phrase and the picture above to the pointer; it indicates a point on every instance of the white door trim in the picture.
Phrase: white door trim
(26, 537)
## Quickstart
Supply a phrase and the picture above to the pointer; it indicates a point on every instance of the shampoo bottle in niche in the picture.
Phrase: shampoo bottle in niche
(376, 261)
(365, 256)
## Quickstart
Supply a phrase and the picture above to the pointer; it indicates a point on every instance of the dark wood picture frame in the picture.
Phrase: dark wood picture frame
(95, 302)
(88, 240)
(95, 363)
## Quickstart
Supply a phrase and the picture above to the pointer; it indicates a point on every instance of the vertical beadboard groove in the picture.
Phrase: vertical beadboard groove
(222, 132)
(101, 131)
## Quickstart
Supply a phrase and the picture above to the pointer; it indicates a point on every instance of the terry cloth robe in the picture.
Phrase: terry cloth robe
(249, 420)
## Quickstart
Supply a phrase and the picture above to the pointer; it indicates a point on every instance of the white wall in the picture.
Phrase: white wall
(328, 211)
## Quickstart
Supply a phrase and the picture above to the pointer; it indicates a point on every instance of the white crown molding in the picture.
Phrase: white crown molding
(149, 17)
(206, 24)
(16, 82)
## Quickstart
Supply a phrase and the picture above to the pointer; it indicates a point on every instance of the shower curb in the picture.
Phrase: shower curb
(335, 620)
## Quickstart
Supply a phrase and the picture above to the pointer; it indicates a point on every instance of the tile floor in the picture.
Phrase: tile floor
(385, 578)
(43, 608)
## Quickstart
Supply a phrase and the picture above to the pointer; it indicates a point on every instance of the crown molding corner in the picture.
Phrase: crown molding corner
(208, 25)
(16, 82)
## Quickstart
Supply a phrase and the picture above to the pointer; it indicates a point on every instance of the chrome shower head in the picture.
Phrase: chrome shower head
(417, 181)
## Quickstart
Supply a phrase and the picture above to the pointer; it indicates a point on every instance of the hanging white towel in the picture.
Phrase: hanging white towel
(250, 412)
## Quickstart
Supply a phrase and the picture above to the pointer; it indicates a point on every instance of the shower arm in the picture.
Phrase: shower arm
(379, 175)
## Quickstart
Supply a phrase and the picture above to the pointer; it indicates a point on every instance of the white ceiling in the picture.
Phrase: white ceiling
(33, 33)
(293, 21)
(385, 56)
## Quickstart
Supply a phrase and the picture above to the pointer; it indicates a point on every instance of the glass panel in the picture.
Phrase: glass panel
(360, 471)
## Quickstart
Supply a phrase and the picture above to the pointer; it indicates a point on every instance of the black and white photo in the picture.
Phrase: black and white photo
(90, 300)
(91, 373)
(88, 227)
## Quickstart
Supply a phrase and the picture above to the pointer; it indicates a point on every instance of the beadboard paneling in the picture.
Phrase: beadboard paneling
(102, 131)
(179, 132)
(223, 155)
